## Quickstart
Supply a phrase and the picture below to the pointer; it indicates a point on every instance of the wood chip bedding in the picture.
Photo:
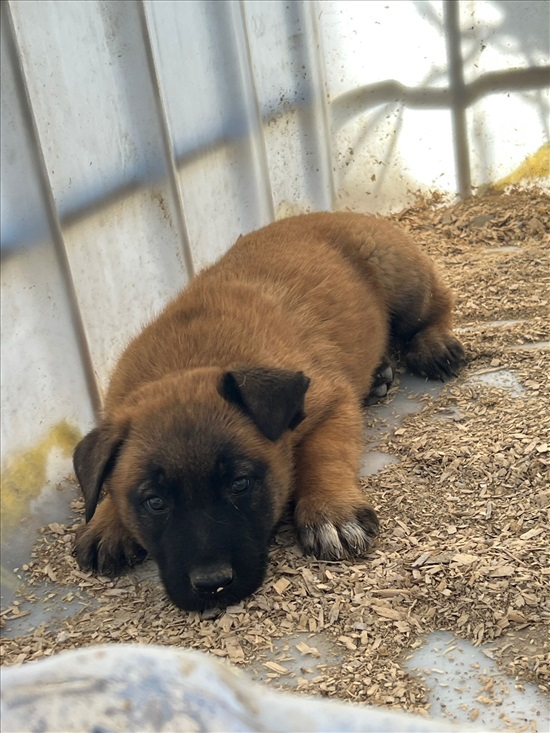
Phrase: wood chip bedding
(465, 541)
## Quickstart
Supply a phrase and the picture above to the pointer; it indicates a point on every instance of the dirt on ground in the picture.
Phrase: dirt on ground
(465, 541)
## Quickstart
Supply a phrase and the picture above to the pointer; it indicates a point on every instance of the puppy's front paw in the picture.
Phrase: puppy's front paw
(335, 540)
(105, 551)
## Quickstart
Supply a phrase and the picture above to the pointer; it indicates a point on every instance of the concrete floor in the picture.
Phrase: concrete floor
(454, 670)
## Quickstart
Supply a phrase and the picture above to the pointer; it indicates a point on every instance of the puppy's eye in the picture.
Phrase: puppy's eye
(155, 504)
(240, 485)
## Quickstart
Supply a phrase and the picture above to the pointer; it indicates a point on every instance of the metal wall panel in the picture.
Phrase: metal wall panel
(43, 374)
(213, 118)
(289, 70)
(92, 97)
(140, 138)
(383, 84)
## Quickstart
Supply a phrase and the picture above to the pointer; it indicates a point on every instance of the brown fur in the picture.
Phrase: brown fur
(326, 295)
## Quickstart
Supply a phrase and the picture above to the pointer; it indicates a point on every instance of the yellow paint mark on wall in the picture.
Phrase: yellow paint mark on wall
(25, 475)
(535, 166)
(8, 579)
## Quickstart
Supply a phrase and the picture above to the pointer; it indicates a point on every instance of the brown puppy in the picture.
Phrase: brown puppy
(246, 393)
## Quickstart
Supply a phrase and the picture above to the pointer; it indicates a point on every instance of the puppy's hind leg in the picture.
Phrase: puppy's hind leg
(419, 303)
(434, 353)
(421, 329)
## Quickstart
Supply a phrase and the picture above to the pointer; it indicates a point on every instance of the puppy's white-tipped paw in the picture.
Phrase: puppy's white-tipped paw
(330, 541)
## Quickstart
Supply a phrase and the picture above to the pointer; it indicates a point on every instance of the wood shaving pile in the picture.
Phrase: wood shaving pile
(465, 542)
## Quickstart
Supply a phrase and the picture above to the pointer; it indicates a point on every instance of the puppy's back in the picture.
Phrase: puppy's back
(287, 296)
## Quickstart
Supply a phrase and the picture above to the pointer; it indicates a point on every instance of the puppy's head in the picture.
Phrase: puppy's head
(199, 466)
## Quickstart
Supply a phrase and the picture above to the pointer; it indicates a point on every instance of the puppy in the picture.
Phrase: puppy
(246, 394)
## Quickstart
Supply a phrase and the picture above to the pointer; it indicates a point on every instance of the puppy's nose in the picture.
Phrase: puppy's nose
(211, 579)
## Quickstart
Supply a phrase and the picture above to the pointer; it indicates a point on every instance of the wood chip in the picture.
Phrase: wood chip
(274, 667)
(281, 585)
(308, 650)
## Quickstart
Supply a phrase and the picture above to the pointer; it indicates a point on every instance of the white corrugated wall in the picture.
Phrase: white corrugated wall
(140, 138)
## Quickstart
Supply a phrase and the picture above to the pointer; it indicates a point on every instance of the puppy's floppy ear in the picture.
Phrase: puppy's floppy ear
(273, 398)
(93, 460)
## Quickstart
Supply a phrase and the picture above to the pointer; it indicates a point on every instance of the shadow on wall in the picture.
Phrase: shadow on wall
(378, 100)
(534, 37)
(519, 27)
